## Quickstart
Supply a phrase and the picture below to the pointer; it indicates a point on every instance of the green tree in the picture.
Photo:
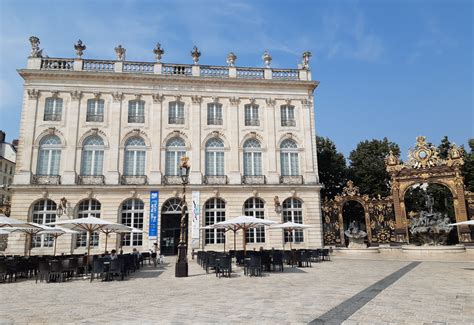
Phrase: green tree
(444, 147)
(367, 166)
(332, 168)
(468, 170)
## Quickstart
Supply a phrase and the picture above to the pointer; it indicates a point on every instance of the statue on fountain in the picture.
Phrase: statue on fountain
(356, 236)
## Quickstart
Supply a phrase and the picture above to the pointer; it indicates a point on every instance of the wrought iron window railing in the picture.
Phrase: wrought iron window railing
(134, 180)
(46, 179)
(254, 179)
(288, 123)
(214, 121)
(296, 179)
(95, 118)
(52, 117)
(215, 179)
(91, 180)
(172, 180)
(136, 119)
(252, 122)
(175, 120)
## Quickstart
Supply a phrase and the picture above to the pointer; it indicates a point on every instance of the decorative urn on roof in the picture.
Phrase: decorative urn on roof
(267, 59)
(305, 61)
(79, 47)
(195, 54)
(231, 57)
(120, 52)
(159, 51)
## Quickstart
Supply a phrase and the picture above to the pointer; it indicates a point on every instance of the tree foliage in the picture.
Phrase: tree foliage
(367, 168)
(444, 147)
(468, 170)
(332, 168)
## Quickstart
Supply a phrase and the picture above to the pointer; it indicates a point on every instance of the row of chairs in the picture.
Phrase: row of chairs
(219, 262)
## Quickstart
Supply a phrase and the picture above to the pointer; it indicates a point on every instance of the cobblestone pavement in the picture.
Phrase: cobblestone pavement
(429, 292)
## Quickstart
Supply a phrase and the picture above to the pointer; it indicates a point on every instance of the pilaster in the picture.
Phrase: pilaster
(233, 161)
(195, 176)
(155, 115)
(113, 172)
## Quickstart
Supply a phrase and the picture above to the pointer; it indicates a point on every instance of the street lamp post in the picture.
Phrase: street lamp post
(181, 269)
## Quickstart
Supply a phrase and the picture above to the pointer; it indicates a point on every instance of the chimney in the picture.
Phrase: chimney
(2, 136)
(15, 144)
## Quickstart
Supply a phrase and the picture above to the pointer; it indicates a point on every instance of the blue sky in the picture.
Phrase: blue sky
(387, 68)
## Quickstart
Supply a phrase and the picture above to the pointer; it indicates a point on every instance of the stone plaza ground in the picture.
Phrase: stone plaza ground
(348, 291)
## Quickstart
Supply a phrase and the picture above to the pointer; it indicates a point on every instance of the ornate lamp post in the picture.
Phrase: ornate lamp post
(181, 269)
(63, 208)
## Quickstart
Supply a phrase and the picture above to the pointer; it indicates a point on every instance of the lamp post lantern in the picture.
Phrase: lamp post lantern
(181, 269)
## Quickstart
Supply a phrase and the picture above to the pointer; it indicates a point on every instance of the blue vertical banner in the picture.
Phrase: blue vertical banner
(153, 227)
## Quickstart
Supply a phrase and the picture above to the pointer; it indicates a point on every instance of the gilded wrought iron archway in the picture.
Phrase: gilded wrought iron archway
(424, 165)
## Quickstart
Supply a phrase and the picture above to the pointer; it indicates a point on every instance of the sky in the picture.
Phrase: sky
(394, 69)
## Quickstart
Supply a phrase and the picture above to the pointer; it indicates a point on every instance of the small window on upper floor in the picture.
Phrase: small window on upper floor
(136, 111)
(95, 110)
(288, 115)
(251, 115)
(53, 109)
(214, 114)
(176, 113)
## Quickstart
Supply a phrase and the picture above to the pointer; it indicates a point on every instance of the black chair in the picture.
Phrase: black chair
(253, 266)
(145, 256)
(12, 264)
(224, 266)
(305, 258)
(326, 255)
(43, 271)
(56, 271)
(98, 269)
(115, 268)
(277, 261)
(210, 262)
(3, 270)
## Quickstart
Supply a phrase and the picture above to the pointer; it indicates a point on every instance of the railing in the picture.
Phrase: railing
(98, 66)
(254, 180)
(252, 122)
(57, 64)
(175, 69)
(214, 121)
(250, 73)
(288, 123)
(91, 180)
(46, 179)
(136, 119)
(297, 179)
(285, 74)
(172, 180)
(134, 180)
(215, 179)
(175, 120)
(138, 67)
(94, 118)
(52, 117)
(214, 72)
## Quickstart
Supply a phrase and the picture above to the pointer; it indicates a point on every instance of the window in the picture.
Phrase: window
(214, 157)
(92, 156)
(252, 158)
(1, 166)
(53, 109)
(135, 154)
(95, 110)
(88, 208)
(132, 216)
(175, 149)
(255, 207)
(49, 156)
(251, 115)
(136, 111)
(214, 114)
(11, 170)
(214, 211)
(289, 158)
(4, 180)
(176, 113)
(288, 115)
(293, 212)
(44, 211)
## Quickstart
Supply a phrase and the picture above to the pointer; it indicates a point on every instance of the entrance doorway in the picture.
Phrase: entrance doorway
(170, 226)
(353, 211)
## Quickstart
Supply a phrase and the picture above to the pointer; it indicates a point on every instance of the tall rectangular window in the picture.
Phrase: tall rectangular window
(288, 115)
(136, 111)
(214, 114)
(251, 115)
(95, 110)
(176, 113)
(53, 109)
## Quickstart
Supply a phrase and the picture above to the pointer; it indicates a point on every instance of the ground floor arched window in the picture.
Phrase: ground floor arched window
(132, 216)
(88, 208)
(255, 207)
(214, 212)
(44, 211)
(293, 212)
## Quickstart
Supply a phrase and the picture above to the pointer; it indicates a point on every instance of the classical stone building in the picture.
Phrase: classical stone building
(105, 134)
(7, 169)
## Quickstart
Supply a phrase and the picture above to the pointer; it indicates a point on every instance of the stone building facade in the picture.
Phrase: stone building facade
(105, 134)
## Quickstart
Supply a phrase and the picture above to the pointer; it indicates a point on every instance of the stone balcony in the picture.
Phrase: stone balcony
(91, 180)
(291, 180)
(46, 180)
(254, 180)
(215, 180)
(134, 180)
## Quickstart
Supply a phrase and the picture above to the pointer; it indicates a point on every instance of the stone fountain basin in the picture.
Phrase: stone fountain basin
(453, 249)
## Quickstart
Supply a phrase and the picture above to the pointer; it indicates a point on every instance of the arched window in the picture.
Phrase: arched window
(252, 158)
(176, 113)
(53, 109)
(132, 216)
(214, 114)
(44, 211)
(136, 111)
(95, 110)
(175, 149)
(135, 154)
(289, 158)
(88, 208)
(214, 211)
(293, 212)
(214, 157)
(92, 156)
(49, 155)
(255, 207)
